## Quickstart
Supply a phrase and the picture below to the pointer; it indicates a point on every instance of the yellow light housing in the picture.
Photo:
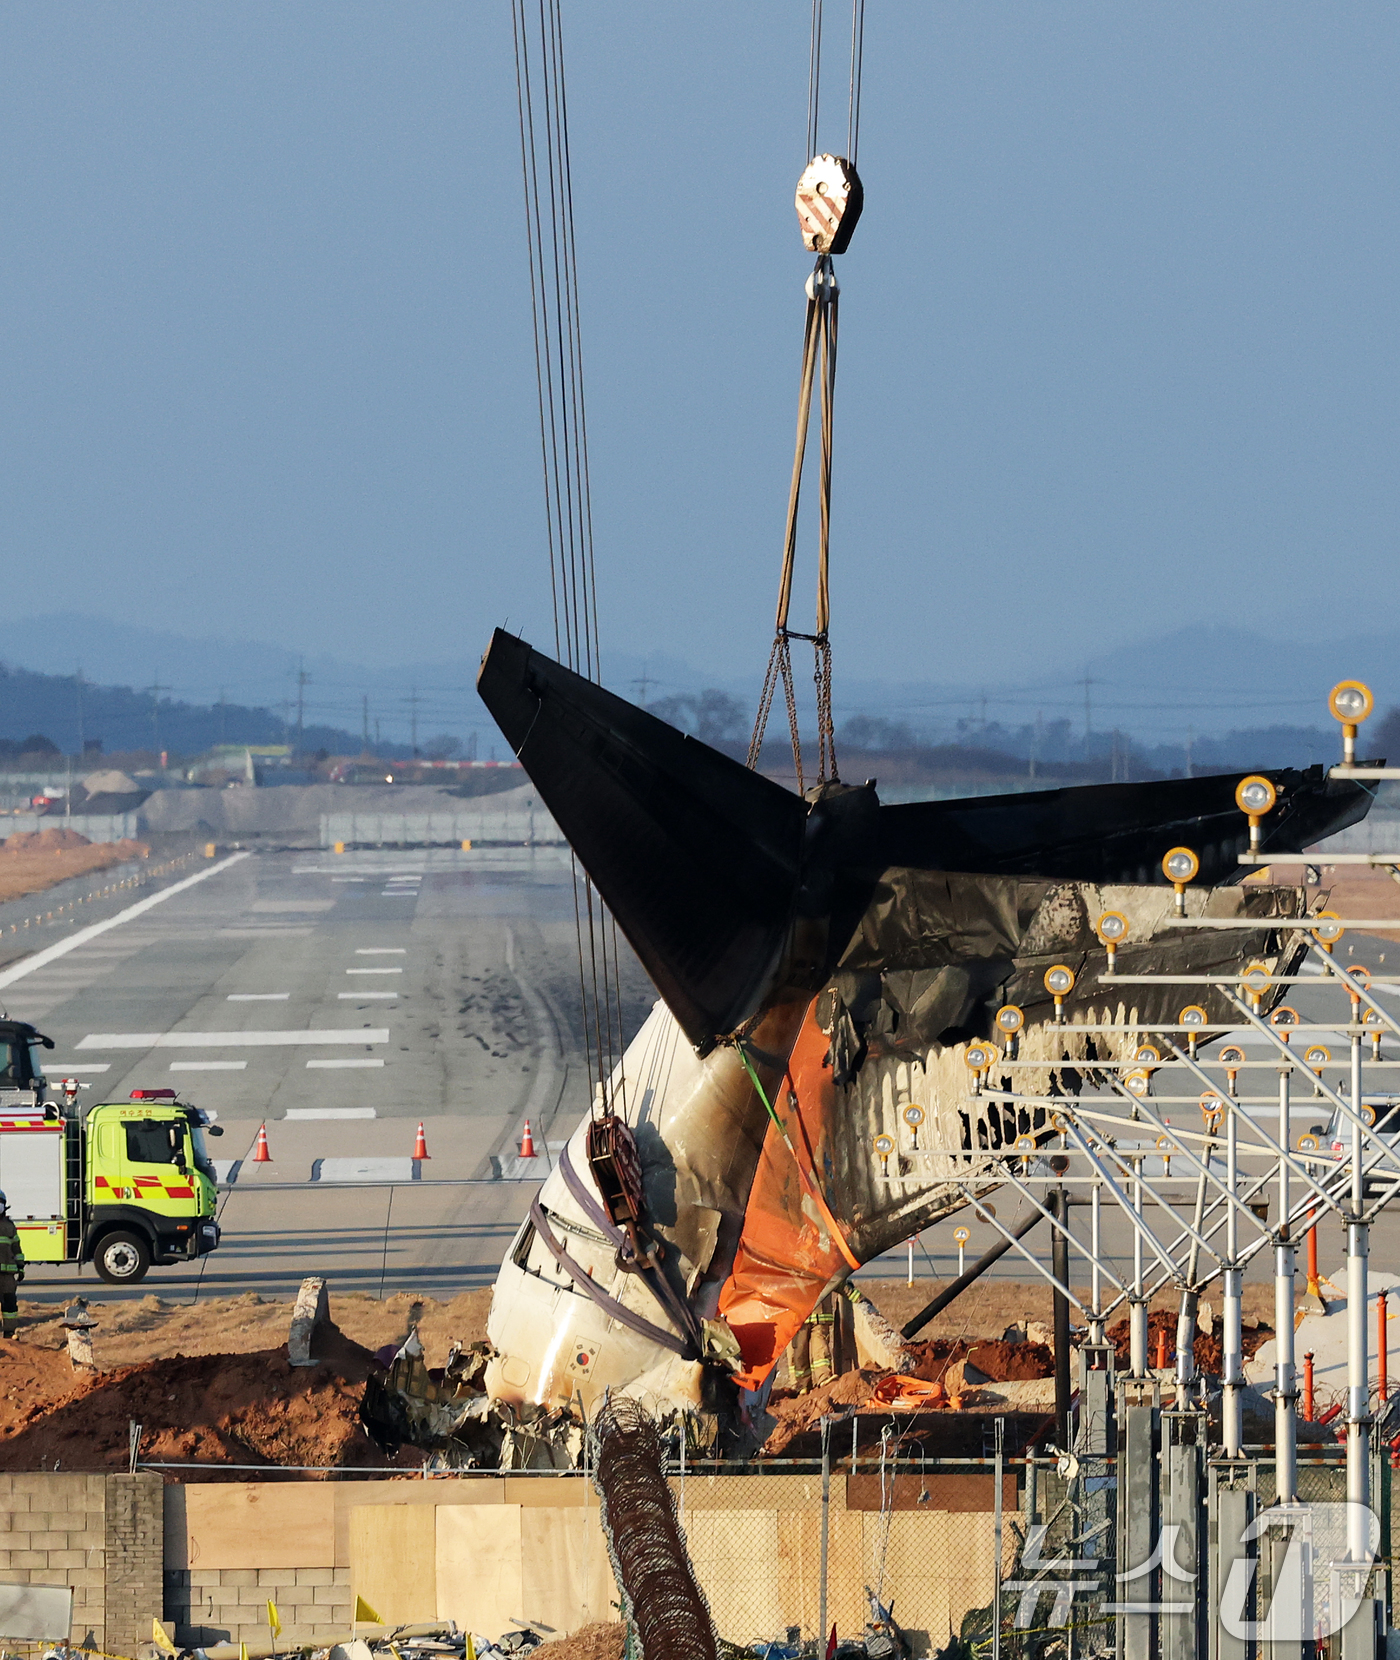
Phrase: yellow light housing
(1350, 701)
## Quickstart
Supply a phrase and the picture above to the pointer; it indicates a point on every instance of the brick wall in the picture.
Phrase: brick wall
(87, 1532)
(134, 1519)
(229, 1605)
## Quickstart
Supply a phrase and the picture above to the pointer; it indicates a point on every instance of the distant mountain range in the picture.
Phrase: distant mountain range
(1202, 686)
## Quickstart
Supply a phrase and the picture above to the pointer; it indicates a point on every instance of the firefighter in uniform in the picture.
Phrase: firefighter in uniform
(11, 1270)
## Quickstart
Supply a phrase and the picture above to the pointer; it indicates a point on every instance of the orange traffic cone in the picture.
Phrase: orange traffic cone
(420, 1147)
(527, 1143)
(260, 1152)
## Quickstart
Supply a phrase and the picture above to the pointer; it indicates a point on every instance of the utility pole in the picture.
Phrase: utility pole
(155, 689)
(364, 715)
(302, 678)
(78, 688)
(223, 725)
(642, 682)
(413, 700)
(1086, 683)
(1190, 745)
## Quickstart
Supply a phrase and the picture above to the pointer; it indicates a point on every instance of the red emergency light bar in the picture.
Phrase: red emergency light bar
(153, 1095)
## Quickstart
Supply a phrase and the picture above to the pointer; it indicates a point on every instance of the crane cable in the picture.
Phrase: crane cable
(542, 99)
(819, 345)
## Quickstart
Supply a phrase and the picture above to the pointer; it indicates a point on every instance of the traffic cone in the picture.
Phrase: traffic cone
(420, 1147)
(260, 1152)
(527, 1143)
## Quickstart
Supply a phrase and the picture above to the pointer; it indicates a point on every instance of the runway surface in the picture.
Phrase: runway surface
(341, 999)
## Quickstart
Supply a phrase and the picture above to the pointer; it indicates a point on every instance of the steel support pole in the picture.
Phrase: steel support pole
(1137, 1303)
(1285, 1383)
(1231, 1311)
(1059, 1267)
(1000, 1433)
(1358, 1369)
(826, 1533)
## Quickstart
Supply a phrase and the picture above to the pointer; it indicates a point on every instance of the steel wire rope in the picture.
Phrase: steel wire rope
(819, 342)
(546, 166)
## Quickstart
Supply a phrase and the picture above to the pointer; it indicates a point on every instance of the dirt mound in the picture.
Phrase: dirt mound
(44, 841)
(32, 860)
(1208, 1351)
(593, 1642)
(130, 1333)
(253, 1408)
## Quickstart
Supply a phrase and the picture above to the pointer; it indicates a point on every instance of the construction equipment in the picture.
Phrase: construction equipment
(122, 1185)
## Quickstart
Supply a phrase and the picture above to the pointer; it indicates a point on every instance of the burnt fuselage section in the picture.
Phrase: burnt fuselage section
(801, 1099)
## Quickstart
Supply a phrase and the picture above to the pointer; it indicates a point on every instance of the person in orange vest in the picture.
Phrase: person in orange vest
(11, 1270)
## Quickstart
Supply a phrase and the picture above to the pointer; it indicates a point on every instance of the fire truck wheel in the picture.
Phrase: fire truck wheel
(122, 1258)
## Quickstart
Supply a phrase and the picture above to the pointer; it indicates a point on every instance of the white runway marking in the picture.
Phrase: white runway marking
(92, 1066)
(381, 950)
(61, 948)
(207, 1066)
(230, 1040)
(374, 971)
(329, 1112)
(344, 1063)
(359, 996)
(258, 996)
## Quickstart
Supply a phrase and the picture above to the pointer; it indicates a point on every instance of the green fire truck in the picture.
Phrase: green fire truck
(122, 1185)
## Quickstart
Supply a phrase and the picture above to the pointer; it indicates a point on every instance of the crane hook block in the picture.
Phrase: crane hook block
(829, 200)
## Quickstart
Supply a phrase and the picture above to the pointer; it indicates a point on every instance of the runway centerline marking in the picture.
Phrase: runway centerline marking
(381, 950)
(92, 1066)
(258, 996)
(359, 996)
(231, 1040)
(374, 971)
(207, 1066)
(61, 948)
(344, 1063)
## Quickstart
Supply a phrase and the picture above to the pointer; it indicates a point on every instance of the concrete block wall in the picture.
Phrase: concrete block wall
(99, 1535)
(229, 1605)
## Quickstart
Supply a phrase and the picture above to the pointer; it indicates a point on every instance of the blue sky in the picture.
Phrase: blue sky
(1118, 348)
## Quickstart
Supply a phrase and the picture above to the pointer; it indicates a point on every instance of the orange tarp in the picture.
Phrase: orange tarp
(791, 1248)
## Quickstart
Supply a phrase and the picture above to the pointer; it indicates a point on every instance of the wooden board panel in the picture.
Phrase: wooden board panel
(479, 1567)
(567, 1580)
(954, 1492)
(351, 1495)
(735, 1556)
(705, 1492)
(551, 1492)
(933, 1567)
(393, 1560)
(257, 1524)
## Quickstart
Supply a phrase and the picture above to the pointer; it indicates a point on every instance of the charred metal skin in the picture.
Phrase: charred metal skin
(823, 965)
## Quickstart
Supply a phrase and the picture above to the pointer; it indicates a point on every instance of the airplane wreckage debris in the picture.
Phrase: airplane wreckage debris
(795, 1103)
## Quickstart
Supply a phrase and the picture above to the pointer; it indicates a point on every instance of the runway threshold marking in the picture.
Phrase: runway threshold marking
(258, 996)
(61, 948)
(359, 996)
(91, 1066)
(231, 1040)
(381, 950)
(325, 1064)
(208, 1066)
(374, 971)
